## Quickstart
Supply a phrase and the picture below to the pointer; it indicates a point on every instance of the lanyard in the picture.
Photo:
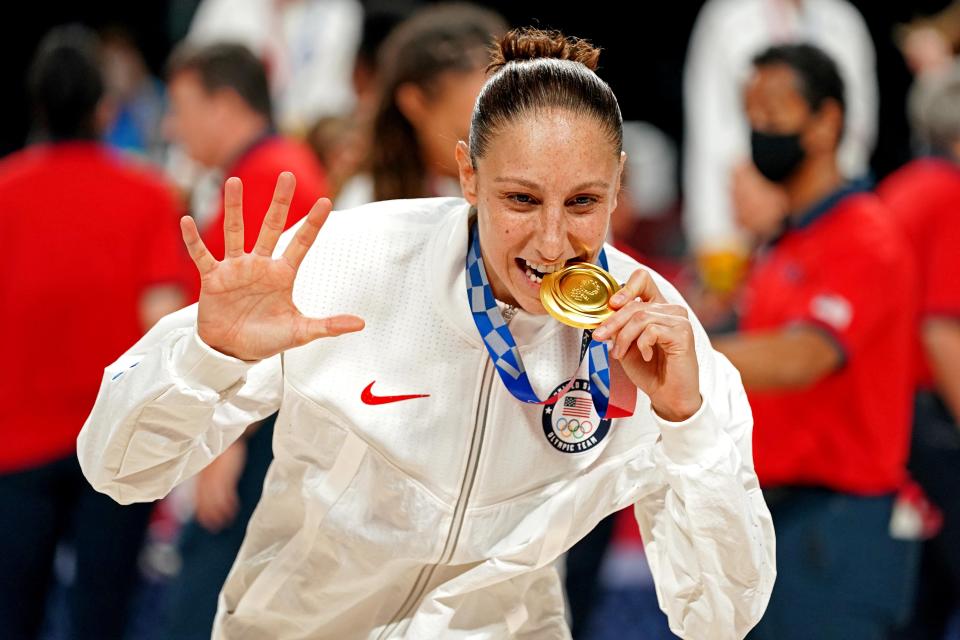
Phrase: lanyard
(502, 347)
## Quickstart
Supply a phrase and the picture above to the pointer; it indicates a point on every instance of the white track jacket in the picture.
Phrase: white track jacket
(437, 516)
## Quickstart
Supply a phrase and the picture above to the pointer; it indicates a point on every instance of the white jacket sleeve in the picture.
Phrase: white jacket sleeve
(707, 531)
(168, 407)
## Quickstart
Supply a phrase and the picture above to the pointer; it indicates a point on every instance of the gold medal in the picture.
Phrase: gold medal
(578, 295)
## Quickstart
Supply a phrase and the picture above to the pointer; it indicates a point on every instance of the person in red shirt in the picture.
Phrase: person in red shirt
(90, 260)
(924, 198)
(221, 115)
(824, 349)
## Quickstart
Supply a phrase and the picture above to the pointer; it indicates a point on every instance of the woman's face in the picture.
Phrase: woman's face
(442, 116)
(544, 192)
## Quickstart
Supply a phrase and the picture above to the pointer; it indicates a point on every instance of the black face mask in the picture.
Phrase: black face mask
(776, 156)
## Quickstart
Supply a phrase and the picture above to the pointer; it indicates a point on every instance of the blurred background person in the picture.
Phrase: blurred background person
(308, 47)
(342, 142)
(930, 43)
(929, 46)
(924, 197)
(727, 34)
(74, 289)
(221, 115)
(137, 97)
(430, 70)
(379, 20)
(824, 350)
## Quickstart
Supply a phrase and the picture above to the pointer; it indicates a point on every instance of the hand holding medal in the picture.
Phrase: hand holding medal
(653, 341)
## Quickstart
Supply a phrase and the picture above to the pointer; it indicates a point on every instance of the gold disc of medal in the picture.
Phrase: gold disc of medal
(579, 295)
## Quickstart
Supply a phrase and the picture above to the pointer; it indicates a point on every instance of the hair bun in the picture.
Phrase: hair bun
(533, 44)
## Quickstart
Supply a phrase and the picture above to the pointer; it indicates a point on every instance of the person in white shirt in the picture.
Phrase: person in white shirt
(308, 45)
(418, 489)
(726, 36)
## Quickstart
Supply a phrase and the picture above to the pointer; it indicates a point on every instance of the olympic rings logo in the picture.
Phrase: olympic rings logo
(574, 428)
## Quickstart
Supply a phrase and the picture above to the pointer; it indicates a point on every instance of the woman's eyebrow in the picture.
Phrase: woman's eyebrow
(526, 183)
(533, 185)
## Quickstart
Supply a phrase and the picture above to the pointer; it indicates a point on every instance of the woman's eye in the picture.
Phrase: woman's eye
(521, 198)
(583, 201)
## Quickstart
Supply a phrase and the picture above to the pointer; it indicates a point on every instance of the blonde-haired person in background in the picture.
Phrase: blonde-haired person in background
(924, 198)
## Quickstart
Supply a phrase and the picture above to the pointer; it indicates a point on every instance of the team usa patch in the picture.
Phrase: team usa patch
(571, 424)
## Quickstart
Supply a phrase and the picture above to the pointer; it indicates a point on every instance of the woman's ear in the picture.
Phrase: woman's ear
(412, 103)
(619, 183)
(468, 173)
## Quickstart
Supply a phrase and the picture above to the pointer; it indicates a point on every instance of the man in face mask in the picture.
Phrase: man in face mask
(825, 352)
(796, 123)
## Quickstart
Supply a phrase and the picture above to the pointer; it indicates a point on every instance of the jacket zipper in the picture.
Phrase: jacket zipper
(459, 511)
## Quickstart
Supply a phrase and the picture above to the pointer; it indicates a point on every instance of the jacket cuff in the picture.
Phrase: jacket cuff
(201, 366)
(692, 441)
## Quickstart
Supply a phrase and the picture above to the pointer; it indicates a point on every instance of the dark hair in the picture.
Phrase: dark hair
(436, 40)
(65, 83)
(226, 66)
(539, 70)
(378, 23)
(817, 74)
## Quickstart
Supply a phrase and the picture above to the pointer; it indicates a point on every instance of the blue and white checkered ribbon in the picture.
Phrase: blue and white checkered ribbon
(503, 348)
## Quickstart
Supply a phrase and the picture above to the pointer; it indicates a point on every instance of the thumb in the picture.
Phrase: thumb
(333, 326)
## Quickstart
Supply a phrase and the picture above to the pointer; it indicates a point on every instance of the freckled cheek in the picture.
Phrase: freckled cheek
(589, 236)
(508, 228)
(500, 238)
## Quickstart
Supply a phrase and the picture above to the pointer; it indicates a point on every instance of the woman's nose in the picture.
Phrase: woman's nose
(553, 235)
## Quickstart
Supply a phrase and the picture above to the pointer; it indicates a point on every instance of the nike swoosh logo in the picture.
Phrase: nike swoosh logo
(367, 397)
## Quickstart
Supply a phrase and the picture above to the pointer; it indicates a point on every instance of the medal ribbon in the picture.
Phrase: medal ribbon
(614, 396)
